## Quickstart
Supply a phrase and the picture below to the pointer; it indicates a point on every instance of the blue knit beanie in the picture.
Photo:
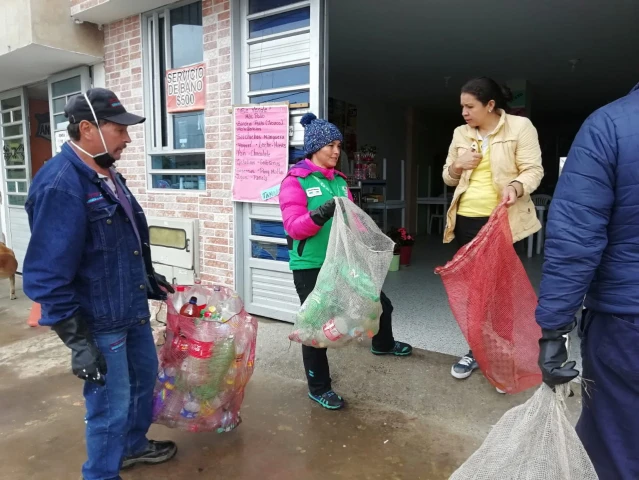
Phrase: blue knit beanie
(318, 133)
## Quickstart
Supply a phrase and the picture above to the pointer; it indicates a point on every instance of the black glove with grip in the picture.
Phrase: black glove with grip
(87, 362)
(323, 213)
(553, 356)
(163, 282)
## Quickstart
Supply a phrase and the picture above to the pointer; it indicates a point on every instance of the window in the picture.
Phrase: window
(257, 6)
(283, 77)
(298, 96)
(278, 26)
(278, 46)
(175, 141)
(282, 22)
(295, 154)
(12, 140)
(61, 92)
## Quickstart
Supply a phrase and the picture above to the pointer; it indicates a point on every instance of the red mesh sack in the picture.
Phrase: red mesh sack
(494, 304)
(205, 364)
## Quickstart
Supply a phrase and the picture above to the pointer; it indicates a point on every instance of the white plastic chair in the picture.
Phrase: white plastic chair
(439, 217)
(539, 200)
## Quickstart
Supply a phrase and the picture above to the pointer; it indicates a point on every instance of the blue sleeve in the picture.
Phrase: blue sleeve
(58, 232)
(576, 232)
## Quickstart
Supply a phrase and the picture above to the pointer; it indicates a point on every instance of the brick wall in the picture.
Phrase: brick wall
(213, 208)
(78, 6)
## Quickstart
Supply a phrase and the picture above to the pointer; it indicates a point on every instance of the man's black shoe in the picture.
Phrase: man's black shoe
(156, 452)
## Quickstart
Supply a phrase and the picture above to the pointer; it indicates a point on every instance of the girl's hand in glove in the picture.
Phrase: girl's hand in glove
(324, 213)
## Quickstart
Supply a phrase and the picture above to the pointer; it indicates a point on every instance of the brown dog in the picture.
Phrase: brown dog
(8, 268)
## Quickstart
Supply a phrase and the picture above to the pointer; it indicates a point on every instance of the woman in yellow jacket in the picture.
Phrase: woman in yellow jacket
(494, 158)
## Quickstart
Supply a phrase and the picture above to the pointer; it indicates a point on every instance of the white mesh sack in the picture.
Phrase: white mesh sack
(534, 441)
(345, 303)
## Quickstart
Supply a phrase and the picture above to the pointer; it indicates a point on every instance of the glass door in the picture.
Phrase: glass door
(283, 58)
(16, 169)
(15, 147)
(62, 87)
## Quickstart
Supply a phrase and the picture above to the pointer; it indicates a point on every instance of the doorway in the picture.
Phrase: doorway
(395, 73)
(26, 146)
(28, 139)
(16, 169)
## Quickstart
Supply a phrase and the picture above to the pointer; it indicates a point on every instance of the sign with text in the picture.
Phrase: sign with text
(261, 152)
(186, 88)
(61, 137)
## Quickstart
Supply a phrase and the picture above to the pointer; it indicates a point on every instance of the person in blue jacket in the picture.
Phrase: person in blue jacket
(88, 264)
(592, 250)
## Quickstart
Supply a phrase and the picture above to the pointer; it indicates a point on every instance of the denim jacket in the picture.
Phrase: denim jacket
(84, 256)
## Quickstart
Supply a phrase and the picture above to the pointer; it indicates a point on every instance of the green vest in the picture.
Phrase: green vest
(311, 252)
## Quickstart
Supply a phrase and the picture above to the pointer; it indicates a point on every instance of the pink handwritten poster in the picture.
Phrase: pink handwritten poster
(261, 152)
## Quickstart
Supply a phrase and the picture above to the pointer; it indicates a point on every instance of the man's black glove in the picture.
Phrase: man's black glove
(323, 213)
(163, 282)
(553, 356)
(87, 361)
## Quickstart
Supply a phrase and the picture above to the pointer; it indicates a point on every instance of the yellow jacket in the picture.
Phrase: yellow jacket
(515, 155)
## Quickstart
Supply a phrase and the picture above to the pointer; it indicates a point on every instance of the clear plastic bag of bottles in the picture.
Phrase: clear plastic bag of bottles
(206, 361)
(345, 303)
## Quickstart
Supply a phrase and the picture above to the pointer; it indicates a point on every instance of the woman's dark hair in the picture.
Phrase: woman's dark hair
(486, 89)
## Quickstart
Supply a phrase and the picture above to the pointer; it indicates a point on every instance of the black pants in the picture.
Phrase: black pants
(318, 373)
(466, 229)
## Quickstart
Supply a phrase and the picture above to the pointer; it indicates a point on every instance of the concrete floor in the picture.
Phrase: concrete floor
(406, 418)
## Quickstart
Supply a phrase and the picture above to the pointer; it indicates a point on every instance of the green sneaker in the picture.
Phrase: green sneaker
(329, 400)
(400, 349)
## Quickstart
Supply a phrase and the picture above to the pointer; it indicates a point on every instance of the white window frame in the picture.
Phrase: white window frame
(247, 42)
(85, 83)
(245, 264)
(151, 82)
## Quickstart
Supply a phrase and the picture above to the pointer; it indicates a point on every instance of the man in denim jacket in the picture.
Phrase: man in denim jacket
(89, 266)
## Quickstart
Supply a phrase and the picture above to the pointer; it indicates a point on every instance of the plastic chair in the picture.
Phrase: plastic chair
(541, 200)
(439, 217)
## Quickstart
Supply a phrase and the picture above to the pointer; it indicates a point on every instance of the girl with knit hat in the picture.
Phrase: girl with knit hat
(307, 201)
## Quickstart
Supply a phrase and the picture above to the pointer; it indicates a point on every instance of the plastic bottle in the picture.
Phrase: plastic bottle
(168, 400)
(190, 408)
(166, 387)
(228, 422)
(217, 368)
(190, 309)
(201, 345)
(335, 329)
(243, 341)
(214, 421)
(230, 306)
(211, 314)
(179, 299)
(217, 296)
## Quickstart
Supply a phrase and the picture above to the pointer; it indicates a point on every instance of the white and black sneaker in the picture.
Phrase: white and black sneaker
(156, 452)
(464, 367)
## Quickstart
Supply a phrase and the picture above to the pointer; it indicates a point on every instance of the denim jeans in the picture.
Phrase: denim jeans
(119, 413)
